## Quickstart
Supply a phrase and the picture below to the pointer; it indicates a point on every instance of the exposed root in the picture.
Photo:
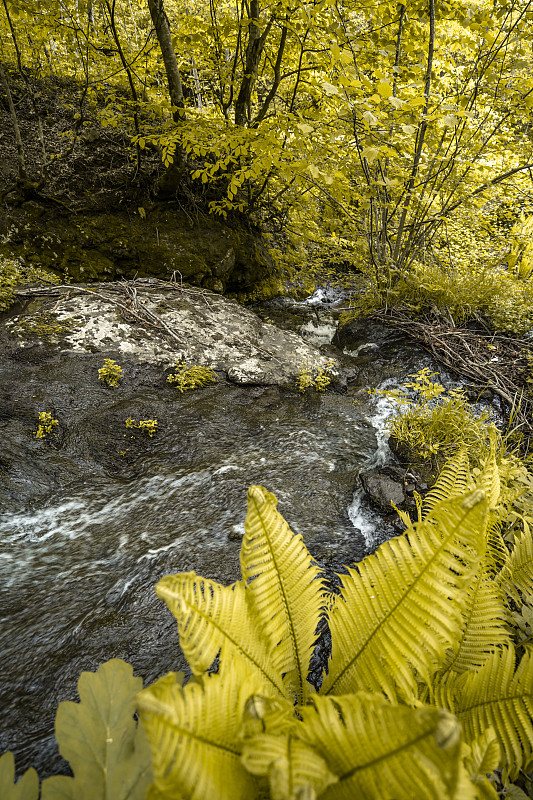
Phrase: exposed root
(491, 361)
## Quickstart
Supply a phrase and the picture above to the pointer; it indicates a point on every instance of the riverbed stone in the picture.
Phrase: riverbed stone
(163, 324)
(382, 489)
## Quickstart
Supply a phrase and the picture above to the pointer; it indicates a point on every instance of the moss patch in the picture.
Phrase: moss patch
(44, 326)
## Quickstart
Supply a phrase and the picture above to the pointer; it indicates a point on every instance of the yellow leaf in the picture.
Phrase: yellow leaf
(385, 89)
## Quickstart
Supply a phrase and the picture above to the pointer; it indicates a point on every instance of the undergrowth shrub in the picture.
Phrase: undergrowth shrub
(474, 270)
(425, 693)
(14, 273)
(431, 422)
(502, 298)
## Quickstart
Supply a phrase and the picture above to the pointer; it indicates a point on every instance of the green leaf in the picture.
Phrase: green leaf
(27, 788)
(108, 753)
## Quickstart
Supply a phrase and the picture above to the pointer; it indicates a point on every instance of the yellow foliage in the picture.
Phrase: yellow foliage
(46, 425)
(110, 373)
(318, 378)
(149, 425)
(190, 377)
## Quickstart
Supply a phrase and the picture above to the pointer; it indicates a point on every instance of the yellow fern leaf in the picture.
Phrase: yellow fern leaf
(484, 627)
(518, 571)
(496, 696)
(285, 586)
(217, 620)
(194, 735)
(490, 477)
(402, 607)
(294, 769)
(368, 743)
(452, 481)
(481, 758)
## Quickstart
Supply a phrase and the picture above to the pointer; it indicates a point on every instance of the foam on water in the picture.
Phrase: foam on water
(319, 332)
(363, 517)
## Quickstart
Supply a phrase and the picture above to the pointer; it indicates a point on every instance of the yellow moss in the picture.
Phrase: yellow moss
(319, 378)
(148, 425)
(110, 373)
(44, 325)
(190, 377)
(46, 425)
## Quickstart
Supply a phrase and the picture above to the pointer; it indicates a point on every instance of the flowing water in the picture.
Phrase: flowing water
(78, 564)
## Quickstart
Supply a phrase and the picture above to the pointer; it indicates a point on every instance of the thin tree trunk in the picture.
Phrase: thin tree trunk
(29, 88)
(420, 135)
(20, 148)
(254, 50)
(114, 31)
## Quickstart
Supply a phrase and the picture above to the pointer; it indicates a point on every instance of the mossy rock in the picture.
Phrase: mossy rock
(165, 243)
(40, 325)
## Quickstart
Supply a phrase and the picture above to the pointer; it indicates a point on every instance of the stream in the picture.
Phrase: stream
(88, 529)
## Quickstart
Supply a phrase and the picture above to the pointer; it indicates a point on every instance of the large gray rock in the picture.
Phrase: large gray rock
(155, 323)
(382, 489)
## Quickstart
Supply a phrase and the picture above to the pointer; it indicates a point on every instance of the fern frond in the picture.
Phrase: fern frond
(481, 758)
(500, 698)
(483, 627)
(518, 571)
(490, 476)
(285, 586)
(402, 608)
(452, 481)
(404, 516)
(217, 620)
(293, 768)
(367, 742)
(194, 735)
(497, 552)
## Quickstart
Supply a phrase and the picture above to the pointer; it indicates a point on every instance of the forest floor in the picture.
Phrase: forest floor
(76, 162)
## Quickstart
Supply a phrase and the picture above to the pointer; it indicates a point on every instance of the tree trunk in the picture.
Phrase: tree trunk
(162, 30)
(254, 50)
(20, 148)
